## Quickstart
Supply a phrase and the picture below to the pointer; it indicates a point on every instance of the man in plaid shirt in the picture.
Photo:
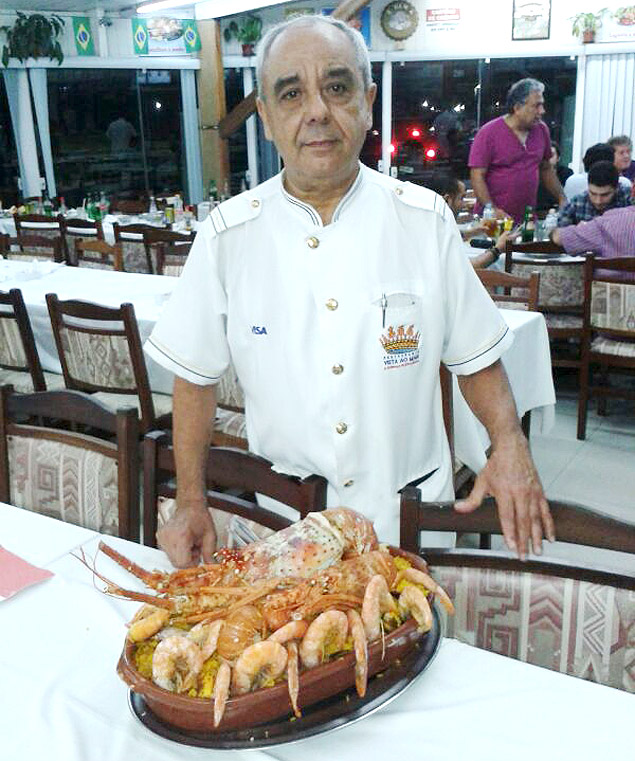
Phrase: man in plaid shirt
(612, 234)
(603, 193)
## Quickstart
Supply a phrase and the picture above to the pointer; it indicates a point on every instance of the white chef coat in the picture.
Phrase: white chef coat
(336, 333)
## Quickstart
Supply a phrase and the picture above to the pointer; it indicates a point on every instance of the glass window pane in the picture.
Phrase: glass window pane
(9, 170)
(238, 163)
(371, 150)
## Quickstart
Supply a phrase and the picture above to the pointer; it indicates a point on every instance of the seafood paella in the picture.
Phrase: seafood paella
(260, 624)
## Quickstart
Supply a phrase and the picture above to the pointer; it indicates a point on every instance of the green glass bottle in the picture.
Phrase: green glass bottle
(527, 234)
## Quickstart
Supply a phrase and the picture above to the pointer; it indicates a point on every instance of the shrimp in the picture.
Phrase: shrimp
(377, 601)
(293, 679)
(221, 691)
(206, 636)
(419, 577)
(356, 628)
(259, 663)
(147, 621)
(412, 600)
(242, 628)
(292, 630)
(325, 635)
(176, 663)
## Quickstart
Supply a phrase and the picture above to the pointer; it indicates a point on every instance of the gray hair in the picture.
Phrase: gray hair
(519, 92)
(354, 37)
(614, 142)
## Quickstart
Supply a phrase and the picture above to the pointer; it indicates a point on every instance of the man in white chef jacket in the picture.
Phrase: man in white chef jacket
(337, 291)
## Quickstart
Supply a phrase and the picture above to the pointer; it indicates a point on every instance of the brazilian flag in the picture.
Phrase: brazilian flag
(83, 36)
(140, 36)
(190, 36)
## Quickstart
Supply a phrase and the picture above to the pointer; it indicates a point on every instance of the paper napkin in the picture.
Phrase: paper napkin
(16, 574)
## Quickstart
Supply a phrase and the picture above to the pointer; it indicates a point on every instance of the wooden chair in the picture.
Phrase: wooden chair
(154, 236)
(128, 205)
(19, 359)
(560, 296)
(88, 479)
(37, 224)
(74, 229)
(98, 254)
(552, 613)
(136, 255)
(171, 258)
(226, 469)
(511, 291)
(37, 247)
(608, 332)
(100, 352)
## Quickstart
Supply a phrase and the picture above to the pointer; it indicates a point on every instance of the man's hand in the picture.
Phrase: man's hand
(188, 535)
(511, 478)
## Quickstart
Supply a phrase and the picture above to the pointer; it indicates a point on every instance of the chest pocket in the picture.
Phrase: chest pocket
(395, 306)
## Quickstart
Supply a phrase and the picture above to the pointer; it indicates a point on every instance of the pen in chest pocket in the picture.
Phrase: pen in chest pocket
(384, 304)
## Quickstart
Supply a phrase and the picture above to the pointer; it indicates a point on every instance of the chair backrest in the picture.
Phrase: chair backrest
(226, 469)
(533, 247)
(551, 613)
(80, 478)
(100, 350)
(171, 258)
(17, 343)
(155, 236)
(74, 228)
(37, 224)
(129, 205)
(38, 247)
(98, 254)
(609, 304)
(136, 255)
(511, 291)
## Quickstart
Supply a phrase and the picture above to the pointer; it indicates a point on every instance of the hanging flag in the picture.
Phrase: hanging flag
(83, 37)
(140, 36)
(190, 36)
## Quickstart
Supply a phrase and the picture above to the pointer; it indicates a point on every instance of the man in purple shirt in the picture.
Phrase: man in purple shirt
(511, 154)
(612, 234)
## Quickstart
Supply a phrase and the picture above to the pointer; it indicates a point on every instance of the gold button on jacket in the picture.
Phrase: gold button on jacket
(312, 242)
(341, 428)
(332, 304)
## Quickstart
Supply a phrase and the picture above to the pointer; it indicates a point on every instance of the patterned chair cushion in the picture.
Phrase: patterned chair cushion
(229, 392)
(65, 482)
(577, 628)
(134, 255)
(162, 402)
(23, 383)
(613, 306)
(174, 270)
(230, 429)
(11, 346)
(101, 360)
(563, 321)
(615, 348)
(560, 285)
(231, 530)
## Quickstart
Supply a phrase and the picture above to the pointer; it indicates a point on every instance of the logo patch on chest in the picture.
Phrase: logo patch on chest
(401, 346)
(259, 330)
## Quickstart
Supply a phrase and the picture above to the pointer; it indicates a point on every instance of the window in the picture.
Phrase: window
(9, 171)
(371, 150)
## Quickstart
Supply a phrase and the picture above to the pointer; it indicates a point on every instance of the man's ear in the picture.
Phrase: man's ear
(262, 113)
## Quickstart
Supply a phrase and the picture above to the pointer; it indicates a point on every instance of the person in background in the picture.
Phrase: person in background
(305, 282)
(623, 146)
(121, 135)
(578, 183)
(603, 193)
(612, 234)
(511, 153)
(452, 190)
(545, 199)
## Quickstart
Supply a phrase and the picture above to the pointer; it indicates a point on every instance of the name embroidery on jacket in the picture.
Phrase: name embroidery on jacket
(259, 331)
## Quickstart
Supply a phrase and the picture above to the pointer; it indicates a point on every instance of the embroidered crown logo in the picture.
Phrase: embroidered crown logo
(400, 340)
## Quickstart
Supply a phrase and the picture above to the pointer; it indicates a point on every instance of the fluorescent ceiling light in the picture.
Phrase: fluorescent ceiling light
(219, 8)
(162, 5)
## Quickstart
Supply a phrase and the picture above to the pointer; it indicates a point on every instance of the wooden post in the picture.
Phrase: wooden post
(212, 106)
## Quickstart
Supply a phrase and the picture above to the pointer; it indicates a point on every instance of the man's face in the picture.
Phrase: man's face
(622, 158)
(531, 112)
(601, 195)
(313, 104)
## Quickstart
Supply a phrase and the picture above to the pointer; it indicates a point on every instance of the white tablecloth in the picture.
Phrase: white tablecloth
(63, 701)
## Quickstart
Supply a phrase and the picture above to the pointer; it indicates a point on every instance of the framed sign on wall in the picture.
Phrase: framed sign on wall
(531, 20)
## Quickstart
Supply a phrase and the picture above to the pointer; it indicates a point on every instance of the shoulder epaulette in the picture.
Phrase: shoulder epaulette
(235, 211)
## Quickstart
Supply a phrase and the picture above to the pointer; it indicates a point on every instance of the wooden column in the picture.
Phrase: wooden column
(212, 106)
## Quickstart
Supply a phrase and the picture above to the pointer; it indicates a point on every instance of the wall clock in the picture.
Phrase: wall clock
(399, 19)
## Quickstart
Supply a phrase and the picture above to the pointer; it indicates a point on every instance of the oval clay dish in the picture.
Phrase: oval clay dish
(271, 703)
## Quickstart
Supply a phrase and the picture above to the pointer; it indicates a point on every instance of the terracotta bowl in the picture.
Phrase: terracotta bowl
(271, 703)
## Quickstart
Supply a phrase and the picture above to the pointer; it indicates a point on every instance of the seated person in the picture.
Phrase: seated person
(623, 146)
(612, 234)
(578, 183)
(603, 194)
(547, 200)
(452, 190)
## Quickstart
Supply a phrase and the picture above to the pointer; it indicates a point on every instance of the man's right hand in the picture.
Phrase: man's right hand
(188, 535)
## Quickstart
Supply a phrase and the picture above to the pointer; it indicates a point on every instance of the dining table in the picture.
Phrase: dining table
(62, 699)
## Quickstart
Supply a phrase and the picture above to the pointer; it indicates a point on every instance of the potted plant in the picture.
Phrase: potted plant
(585, 25)
(247, 32)
(33, 36)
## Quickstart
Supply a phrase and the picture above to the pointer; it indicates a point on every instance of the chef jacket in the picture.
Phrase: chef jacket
(336, 333)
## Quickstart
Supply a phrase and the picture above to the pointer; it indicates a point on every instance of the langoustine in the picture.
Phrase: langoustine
(257, 631)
